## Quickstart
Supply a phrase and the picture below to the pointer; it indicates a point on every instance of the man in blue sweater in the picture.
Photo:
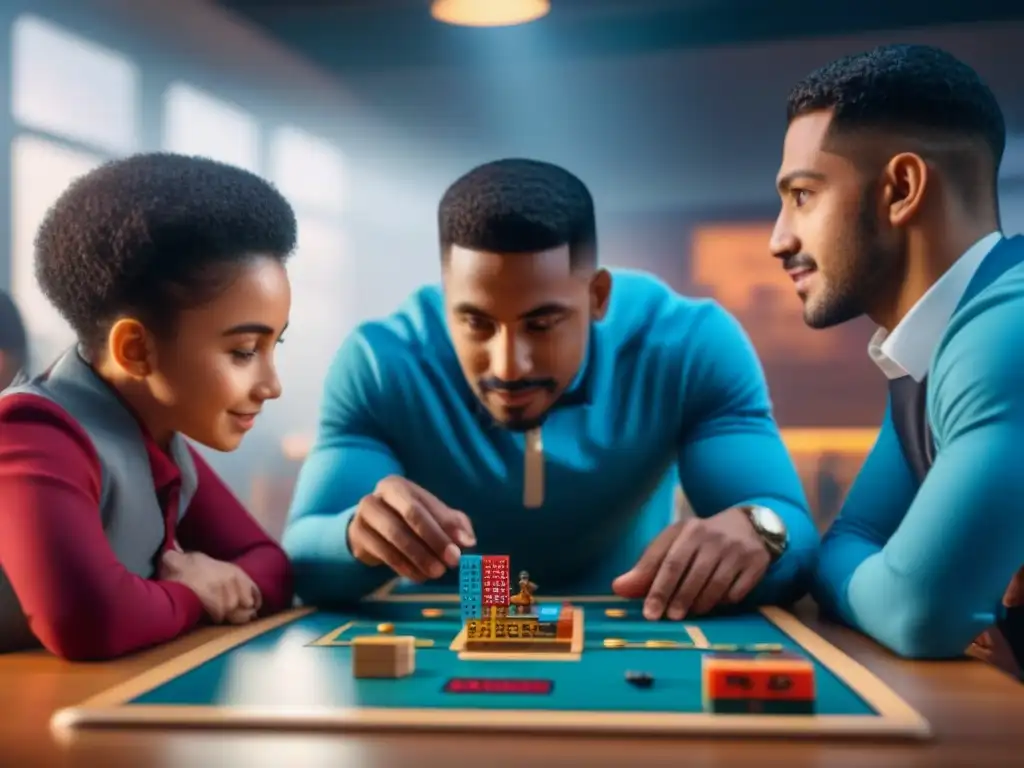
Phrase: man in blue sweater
(538, 406)
(889, 209)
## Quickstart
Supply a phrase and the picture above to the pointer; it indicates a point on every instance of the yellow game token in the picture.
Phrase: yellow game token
(386, 628)
(614, 613)
(661, 644)
(432, 613)
(614, 642)
(767, 647)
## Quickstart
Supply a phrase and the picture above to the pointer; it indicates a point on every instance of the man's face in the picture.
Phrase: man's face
(831, 234)
(214, 376)
(520, 324)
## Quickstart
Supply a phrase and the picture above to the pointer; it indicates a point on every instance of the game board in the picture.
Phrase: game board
(294, 672)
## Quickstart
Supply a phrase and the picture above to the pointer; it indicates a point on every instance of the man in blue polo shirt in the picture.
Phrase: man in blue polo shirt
(538, 406)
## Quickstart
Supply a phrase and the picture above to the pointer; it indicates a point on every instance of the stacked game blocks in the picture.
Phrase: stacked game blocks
(383, 656)
(496, 620)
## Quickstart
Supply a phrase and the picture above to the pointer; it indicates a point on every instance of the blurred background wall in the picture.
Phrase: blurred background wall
(362, 113)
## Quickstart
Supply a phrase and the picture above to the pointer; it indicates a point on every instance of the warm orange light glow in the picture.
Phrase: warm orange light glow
(488, 13)
(811, 440)
(830, 440)
(296, 447)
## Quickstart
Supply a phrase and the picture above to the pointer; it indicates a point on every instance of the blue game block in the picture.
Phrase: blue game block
(547, 612)
(470, 587)
(470, 574)
(470, 609)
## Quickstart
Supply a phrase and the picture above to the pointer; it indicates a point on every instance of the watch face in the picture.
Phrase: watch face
(768, 521)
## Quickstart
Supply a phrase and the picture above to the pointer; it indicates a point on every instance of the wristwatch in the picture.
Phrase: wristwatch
(769, 527)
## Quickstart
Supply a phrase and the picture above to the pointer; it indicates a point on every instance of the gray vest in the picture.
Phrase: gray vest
(129, 509)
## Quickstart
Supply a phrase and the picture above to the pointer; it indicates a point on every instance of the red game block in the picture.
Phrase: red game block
(763, 677)
(495, 580)
(492, 685)
(563, 629)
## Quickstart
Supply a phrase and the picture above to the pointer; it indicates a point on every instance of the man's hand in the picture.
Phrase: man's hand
(697, 564)
(408, 529)
(993, 646)
(226, 591)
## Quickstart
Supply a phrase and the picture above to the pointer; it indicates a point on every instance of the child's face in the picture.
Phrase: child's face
(213, 377)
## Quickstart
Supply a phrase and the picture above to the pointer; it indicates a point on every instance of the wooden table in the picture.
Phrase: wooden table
(977, 714)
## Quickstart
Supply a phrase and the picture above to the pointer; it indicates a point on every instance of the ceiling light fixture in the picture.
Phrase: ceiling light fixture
(489, 13)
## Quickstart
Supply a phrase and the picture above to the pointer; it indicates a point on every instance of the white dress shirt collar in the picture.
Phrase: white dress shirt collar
(908, 350)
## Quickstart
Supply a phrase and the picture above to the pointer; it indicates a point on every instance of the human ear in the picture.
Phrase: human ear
(600, 293)
(130, 347)
(905, 182)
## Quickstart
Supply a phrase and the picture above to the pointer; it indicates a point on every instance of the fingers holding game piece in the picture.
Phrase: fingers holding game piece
(372, 547)
(426, 518)
(453, 522)
(405, 527)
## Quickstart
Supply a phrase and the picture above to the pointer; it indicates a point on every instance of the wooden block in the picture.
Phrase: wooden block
(391, 656)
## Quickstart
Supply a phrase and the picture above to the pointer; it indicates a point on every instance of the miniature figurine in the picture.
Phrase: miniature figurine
(523, 600)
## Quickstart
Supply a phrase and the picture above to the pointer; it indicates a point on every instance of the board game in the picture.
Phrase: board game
(490, 658)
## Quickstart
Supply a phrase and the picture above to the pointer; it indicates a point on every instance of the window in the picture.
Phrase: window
(40, 171)
(74, 105)
(196, 123)
(72, 88)
(309, 171)
(323, 294)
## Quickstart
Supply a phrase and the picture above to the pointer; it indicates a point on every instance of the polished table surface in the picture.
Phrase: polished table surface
(977, 714)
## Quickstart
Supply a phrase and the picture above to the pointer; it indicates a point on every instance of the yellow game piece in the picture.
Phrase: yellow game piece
(432, 613)
(767, 646)
(661, 644)
(386, 628)
(724, 647)
(614, 642)
(614, 613)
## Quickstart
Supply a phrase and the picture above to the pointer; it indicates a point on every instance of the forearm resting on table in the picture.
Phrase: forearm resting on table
(938, 581)
(271, 571)
(79, 600)
(217, 525)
